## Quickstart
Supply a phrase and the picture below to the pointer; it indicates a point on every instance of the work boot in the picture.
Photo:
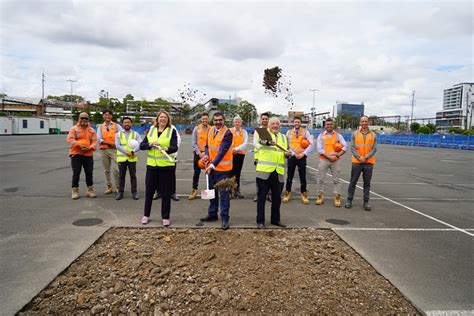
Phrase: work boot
(174, 197)
(348, 204)
(367, 206)
(109, 189)
(192, 196)
(75, 193)
(156, 196)
(320, 198)
(90, 192)
(337, 200)
(304, 198)
(286, 197)
(119, 196)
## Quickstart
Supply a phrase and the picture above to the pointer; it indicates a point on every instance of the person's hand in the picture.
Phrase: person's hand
(164, 148)
(210, 168)
(154, 144)
(130, 154)
(255, 162)
(363, 160)
(271, 142)
(299, 156)
(201, 155)
(85, 148)
(234, 150)
(287, 153)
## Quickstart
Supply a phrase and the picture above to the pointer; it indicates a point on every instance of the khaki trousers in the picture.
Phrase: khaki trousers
(109, 162)
(324, 165)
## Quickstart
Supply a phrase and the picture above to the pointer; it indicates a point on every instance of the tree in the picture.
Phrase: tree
(66, 98)
(125, 102)
(424, 130)
(97, 118)
(2, 95)
(432, 128)
(163, 104)
(246, 111)
(414, 127)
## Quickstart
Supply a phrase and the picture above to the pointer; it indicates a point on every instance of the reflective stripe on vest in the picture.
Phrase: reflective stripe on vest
(237, 140)
(328, 143)
(156, 158)
(121, 157)
(295, 142)
(108, 135)
(213, 144)
(363, 147)
(272, 158)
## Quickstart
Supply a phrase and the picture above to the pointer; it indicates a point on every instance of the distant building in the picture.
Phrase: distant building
(457, 108)
(356, 110)
(15, 105)
(288, 120)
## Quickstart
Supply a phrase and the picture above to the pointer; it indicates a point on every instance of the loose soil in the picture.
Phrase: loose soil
(210, 271)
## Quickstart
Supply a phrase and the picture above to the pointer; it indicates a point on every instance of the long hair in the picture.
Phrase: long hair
(167, 115)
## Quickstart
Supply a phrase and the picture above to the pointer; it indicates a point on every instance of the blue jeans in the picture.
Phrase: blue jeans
(214, 177)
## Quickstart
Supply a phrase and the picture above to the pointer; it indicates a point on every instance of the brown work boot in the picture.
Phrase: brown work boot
(320, 198)
(109, 189)
(337, 200)
(75, 193)
(192, 196)
(90, 192)
(286, 197)
(304, 198)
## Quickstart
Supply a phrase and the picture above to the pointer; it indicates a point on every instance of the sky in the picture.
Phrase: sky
(352, 51)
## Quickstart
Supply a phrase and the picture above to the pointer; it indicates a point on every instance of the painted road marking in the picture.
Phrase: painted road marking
(407, 207)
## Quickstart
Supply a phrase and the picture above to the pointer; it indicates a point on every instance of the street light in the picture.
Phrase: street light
(71, 81)
(313, 109)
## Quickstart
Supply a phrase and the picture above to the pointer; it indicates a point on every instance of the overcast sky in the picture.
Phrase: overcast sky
(370, 52)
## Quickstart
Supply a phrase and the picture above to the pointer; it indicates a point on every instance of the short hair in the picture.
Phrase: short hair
(363, 116)
(204, 114)
(265, 114)
(167, 115)
(127, 118)
(297, 118)
(273, 119)
(108, 111)
(237, 118)
(328, 120)
(218, 114)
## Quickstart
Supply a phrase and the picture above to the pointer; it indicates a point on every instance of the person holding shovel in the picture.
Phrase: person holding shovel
(161, 142)
(218, 160)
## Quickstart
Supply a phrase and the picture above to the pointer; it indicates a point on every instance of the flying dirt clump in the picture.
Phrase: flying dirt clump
(278, 85)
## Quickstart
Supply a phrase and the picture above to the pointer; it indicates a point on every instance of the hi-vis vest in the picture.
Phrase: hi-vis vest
(328, 142)
(271, 158)
(202, 133)
(213, 144)
(121, 157)
(255, 150)
(295, 142)
(238, 139)
(108, 135)
(155, 157)
(364, 147)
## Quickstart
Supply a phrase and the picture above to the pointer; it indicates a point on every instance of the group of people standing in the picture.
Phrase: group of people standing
(220, 152)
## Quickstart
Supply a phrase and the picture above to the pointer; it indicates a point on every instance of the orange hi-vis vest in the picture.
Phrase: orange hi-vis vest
(364, 147)
(202, 133)
(237, 139)
(213, 144)
(81, 136)
(108, 135)
(329, 141)
(295, 143)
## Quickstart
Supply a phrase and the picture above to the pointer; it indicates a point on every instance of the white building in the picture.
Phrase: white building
(457, 108)
(30, 125)
(6, 125)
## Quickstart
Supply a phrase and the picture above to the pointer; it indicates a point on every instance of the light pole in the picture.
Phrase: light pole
(71, 81)
(313, 109)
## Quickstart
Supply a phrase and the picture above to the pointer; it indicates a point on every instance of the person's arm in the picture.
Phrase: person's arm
(118, 145)
(177, 136)
(223, 148)
(173, 143)
(320, 145)
(309, 149)
(139, 140)
(354, 149)
(99, 134)
(144, 145)
(194, 141)
(93, 139)
(71, 138)
(374, 148)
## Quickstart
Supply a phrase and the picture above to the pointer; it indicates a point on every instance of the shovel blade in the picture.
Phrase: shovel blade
(208, 194)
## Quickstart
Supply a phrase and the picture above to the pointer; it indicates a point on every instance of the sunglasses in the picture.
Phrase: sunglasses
(84, 118)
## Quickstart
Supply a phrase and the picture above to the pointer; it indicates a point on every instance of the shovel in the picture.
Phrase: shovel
(208, 194)
(164, 153)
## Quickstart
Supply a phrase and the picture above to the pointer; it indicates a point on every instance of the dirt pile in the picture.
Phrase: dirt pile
(187, 271)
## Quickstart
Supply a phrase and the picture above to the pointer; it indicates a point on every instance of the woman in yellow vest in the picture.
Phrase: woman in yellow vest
(161, 142)
(240, 139)
(270, 173)
(364, 148)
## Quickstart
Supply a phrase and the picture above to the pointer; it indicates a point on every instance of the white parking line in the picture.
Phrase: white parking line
(407, 207)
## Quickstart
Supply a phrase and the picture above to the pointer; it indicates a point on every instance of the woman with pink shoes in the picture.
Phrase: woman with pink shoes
(161, 143)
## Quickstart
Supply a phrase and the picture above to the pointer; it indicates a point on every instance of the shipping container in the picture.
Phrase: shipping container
(6, 125)
(30, 125)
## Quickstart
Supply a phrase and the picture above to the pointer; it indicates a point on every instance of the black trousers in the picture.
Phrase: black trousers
(160, 179)
(366, 170)
(132, 170)
(77, 163)
(263, 186)
(197, 171)
(237, 164)
(292, 164)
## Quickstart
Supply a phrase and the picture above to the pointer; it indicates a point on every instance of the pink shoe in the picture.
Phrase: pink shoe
(145, 220)
(166, 222)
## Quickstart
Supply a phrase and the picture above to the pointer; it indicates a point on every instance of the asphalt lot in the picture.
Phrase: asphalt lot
(419, 234)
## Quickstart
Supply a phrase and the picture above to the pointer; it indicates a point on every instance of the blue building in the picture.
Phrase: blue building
(356, 110)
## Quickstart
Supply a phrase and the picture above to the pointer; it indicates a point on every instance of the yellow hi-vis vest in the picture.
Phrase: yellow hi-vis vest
(155, 157)
(121, 157)
(271, 158)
